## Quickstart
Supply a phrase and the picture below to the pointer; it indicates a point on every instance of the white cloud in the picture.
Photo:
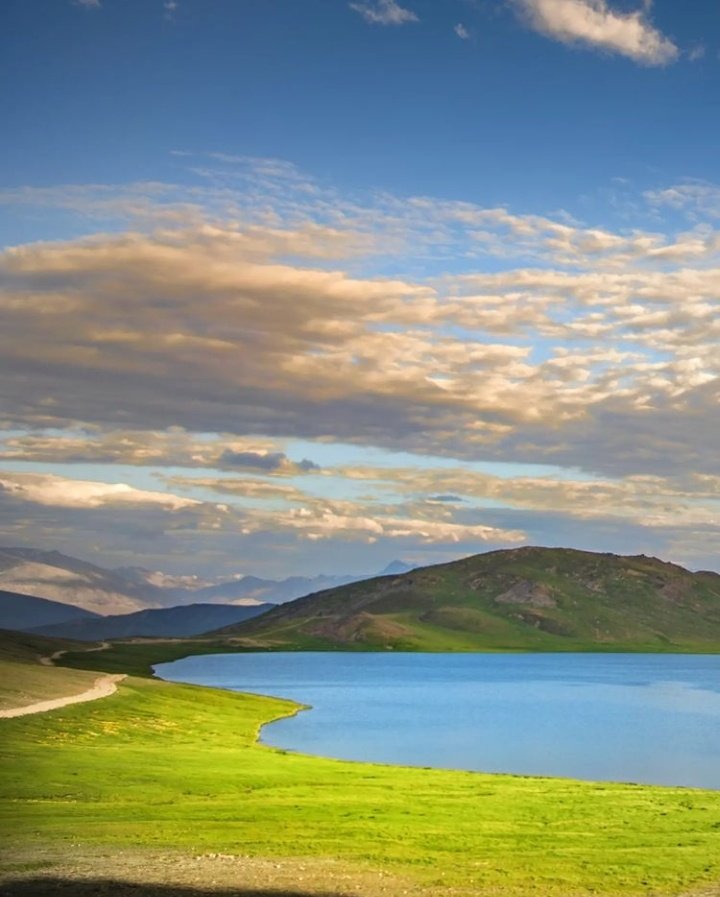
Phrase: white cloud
(171, 448)
(594, 23)
(384, 12)
(650, 501)
(348, 521)
(696, 198)
(461, 31)
(267, 207)
(242, 488)
(88, 4)
(60, 492)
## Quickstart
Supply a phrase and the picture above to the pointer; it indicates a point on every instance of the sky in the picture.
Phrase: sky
(291, 287)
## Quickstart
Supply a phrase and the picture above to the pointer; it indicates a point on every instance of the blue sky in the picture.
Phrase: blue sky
(461, 256)
(101, 94)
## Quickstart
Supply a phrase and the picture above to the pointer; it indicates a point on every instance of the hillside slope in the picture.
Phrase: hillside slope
(170, 622)
(58, 577)
(525, 598)
(28, 612)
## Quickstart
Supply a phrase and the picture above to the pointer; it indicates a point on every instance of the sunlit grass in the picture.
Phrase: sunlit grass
(164, 766)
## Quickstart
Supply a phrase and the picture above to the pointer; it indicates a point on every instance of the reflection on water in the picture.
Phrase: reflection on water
(621, 717)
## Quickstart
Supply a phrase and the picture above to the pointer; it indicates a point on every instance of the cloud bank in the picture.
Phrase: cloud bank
(626, 381)
(199, 339)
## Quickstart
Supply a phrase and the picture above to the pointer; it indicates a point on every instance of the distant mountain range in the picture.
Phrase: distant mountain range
(248, 589)
(39, 616)
(520, 599)
(52, 575)
(93, 590)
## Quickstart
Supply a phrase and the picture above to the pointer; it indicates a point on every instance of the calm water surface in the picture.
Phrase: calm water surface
(621, 717)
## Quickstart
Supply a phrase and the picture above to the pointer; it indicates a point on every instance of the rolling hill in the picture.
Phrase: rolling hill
(27, 612)
(169, 622)
(549, 599)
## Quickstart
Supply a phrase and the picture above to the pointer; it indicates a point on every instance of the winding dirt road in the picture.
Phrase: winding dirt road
(49, 661)
(104, 687)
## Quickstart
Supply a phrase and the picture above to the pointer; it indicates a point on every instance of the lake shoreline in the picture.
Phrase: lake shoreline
(350, 729)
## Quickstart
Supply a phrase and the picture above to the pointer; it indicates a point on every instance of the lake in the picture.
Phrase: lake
(647, 718)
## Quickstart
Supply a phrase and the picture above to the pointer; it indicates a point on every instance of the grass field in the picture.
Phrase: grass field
(21, 684)
(165, 782)
(24, 680)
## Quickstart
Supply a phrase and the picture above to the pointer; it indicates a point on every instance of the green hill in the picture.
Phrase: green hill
(551, 599)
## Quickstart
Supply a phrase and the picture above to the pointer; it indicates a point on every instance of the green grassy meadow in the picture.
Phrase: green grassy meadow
(166, 767)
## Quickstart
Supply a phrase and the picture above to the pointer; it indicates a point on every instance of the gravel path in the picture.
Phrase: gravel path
(104, 686)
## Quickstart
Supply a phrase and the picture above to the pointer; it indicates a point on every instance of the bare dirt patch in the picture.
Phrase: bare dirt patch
(80, 873)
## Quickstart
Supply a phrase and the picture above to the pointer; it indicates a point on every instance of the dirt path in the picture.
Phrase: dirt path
(49, 661)
(104, 686)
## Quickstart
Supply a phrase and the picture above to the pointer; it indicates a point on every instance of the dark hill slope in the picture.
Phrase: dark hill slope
(24, 647)
(27, 611)
(168, 622)
(526, 598)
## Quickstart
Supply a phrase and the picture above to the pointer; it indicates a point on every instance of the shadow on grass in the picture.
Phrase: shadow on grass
(108, 887)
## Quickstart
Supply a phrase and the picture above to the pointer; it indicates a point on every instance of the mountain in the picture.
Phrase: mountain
(524, 598)
(281, 591)
(58, 577)
(169, 622)
(25, 612)
(395, 568)
(274, 591)
(247, 590)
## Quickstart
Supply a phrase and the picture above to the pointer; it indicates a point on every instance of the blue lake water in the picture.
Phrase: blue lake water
(618, 717)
